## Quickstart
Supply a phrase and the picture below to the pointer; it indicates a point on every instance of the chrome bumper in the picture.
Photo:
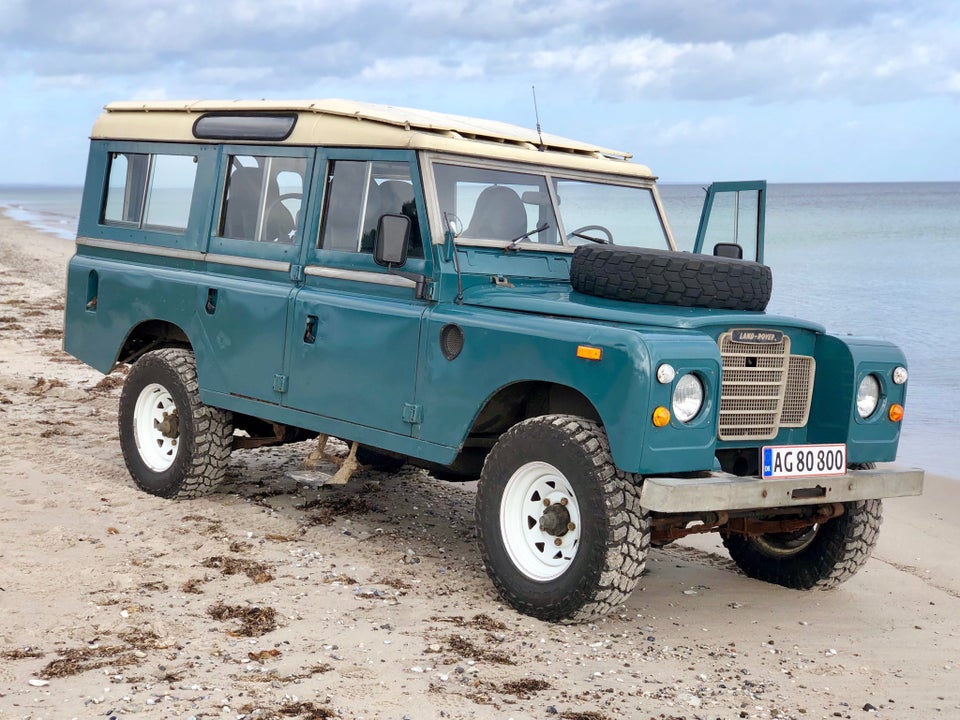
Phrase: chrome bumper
(721, 491)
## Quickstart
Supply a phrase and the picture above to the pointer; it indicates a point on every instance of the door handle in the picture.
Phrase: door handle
(211, 306)
(310, 331)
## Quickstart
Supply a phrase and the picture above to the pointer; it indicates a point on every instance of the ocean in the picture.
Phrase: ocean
(869, 259)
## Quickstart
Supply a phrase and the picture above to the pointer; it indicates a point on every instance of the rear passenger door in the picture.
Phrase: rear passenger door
(355, 328)
(252, 268)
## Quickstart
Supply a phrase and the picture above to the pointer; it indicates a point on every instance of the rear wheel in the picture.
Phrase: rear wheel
(822, 556)
(561, 530)
(174, 446)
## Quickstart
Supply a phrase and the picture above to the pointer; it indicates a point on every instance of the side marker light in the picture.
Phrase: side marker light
(588, 352)
(661, 416)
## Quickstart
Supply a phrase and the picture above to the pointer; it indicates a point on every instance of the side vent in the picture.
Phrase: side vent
(93, 291)
(451, 341)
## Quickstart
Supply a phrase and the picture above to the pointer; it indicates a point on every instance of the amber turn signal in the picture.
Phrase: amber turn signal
(589, 353)
(896, 412)
(661, 416)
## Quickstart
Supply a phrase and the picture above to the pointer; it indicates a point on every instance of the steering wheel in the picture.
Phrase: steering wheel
(580, 232)
(272, 207)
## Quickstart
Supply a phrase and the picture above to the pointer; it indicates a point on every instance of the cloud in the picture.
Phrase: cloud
(647, 75)
(862, 50)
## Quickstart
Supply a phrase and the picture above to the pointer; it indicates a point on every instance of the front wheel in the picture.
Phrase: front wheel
(820, 557)
(174, 445)
(560, 528)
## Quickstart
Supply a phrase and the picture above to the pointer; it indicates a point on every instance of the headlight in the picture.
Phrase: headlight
(687, 398)
(868, 396)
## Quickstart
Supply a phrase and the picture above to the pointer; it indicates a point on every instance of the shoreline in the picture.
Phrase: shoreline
(379, 606)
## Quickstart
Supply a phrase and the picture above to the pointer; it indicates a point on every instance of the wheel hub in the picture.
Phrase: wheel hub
(169, 427)
(556, 520)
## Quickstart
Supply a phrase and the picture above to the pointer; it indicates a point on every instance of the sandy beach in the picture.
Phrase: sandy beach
(275, 599)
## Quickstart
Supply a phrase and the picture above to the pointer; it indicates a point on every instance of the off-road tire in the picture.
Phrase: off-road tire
(665, 277)
(205, 433)
(614, 533)
(837, 551)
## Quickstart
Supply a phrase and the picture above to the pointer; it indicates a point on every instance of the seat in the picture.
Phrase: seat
(498, 215)
(279, 225)
(395, 195)
(243, 196)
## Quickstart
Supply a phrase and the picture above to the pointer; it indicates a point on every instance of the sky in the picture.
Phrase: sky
(699, 90)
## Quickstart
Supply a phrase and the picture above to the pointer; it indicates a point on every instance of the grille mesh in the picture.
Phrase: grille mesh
(796, 399)
(764, 388)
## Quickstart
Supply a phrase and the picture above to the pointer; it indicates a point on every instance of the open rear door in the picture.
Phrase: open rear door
(732, 220)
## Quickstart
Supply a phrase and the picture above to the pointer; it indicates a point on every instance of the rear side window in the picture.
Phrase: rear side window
(150, 191)
(263, 198)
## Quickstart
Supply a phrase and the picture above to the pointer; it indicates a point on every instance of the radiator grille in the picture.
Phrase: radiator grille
(796, 399)
(764, 388)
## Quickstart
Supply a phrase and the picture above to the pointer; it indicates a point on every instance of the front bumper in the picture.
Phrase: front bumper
(722, 491)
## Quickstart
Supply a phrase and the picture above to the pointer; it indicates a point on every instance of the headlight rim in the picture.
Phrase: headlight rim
(682, 415)
(861, 397)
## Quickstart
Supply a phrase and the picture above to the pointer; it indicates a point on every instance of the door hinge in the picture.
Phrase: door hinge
(280, 383)
(296, 273)
(412, 413)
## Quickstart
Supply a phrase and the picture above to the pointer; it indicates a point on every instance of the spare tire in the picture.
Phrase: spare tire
(665, 277)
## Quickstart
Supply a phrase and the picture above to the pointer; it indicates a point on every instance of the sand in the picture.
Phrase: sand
(275, 599)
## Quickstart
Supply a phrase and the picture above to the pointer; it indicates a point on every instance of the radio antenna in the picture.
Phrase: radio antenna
(536, 114)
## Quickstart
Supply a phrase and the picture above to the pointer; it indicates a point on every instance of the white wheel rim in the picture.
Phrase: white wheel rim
(782, 547)
(538, 554)
(152, 415)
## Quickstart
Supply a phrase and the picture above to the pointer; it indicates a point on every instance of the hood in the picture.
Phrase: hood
(559, 299)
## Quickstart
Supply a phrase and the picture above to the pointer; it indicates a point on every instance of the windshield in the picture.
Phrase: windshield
(519, 208)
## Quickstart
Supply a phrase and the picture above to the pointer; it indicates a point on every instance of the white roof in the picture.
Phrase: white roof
(335, 122)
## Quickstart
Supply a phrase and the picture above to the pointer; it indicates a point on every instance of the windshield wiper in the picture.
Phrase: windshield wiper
(601, 241)
(515, 243)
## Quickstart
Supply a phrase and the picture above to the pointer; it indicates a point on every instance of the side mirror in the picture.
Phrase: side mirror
(728, 250)
(393, 240)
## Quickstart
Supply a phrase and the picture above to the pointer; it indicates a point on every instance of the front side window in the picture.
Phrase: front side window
(481, 203)
(150, 191)
(487, 204)
(359, 193)
(263, 198)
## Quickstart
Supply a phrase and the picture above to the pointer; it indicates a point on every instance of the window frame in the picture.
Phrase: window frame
(434, 210)
(363, 262)
(257, 249)
(146, 195)
(95, 190)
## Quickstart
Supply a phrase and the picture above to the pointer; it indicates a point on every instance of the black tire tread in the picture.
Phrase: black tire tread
(212, 430)
(622, 561)
(843, 545)
(665, 277)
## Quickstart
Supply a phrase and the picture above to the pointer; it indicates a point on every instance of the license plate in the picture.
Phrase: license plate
(777, 461)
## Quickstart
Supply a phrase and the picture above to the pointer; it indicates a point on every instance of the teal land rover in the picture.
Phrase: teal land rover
(484, 301)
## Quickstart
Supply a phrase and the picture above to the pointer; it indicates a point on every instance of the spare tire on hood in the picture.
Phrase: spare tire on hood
(665, 277)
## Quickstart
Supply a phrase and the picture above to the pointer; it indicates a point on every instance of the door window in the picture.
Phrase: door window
(263, 198)
(359, 193)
